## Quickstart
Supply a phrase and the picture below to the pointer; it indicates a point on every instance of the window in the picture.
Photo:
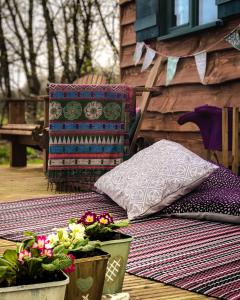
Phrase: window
(186, 15)
(164, 19)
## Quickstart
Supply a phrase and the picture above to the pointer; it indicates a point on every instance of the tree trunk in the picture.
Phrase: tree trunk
(50, 41)
(4, 63)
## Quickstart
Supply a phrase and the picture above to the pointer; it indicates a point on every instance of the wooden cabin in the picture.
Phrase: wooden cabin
(179, 28)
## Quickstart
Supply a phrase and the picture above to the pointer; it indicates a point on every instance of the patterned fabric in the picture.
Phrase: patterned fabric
(217, 199)
(199, 256)
(154, 178)
(88, 132)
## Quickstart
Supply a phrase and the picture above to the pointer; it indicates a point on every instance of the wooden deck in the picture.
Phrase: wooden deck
(25, 183)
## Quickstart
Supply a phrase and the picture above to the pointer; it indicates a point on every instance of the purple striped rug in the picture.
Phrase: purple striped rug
(198, 256)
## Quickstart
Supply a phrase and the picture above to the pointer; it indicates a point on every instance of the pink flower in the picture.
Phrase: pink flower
(22, 255)
(72, 267)
(88, 218)
(47, 252)
(41, 240)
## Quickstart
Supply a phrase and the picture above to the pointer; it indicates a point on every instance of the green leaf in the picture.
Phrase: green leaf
(49, 267)
(120, 223)
(29, 233)
(3, 271)
(80, 243)
(88, 247)
(5, 262)
(91, 227)
(62, 262)
(11, 256)
(58, 249)
(72, 220)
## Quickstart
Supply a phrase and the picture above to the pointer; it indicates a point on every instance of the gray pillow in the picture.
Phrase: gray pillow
(154, 178)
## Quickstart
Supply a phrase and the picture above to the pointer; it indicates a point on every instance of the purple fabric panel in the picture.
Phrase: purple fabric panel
(217, 198)
(209, 120)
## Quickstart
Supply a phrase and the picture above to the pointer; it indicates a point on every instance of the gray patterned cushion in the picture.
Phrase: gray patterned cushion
(154, 178)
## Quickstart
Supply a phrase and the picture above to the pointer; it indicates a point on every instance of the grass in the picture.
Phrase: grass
(33, 156)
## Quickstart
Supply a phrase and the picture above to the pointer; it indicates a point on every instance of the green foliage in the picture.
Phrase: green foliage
(31, 260)
(98, 231)
(4, 153)
(33, 156)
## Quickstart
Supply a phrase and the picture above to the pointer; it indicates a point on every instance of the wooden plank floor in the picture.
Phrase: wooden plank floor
(25, 183)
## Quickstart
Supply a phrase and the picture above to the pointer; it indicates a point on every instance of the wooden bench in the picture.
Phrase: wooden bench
(20, 134)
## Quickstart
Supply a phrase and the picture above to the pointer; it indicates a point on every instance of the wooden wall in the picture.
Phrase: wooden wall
(186, 91)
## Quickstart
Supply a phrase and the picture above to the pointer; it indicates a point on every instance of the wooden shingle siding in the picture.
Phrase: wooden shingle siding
(186, 91)
(222, 66)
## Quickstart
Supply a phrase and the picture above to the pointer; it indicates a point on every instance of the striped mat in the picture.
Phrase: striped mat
(198, 256)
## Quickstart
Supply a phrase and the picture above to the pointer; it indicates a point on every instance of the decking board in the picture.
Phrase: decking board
(25, 183)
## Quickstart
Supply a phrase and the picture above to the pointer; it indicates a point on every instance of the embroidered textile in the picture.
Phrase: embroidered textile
(88, 132)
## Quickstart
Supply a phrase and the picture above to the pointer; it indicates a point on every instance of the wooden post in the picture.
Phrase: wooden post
(18, 152)
(225, 137)
(235, 140)
(146, 97)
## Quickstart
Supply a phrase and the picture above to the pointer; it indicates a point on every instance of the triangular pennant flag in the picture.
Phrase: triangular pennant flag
(138, 52)
(149, 56)
(234, 39)
(201, 63)
(171, 68)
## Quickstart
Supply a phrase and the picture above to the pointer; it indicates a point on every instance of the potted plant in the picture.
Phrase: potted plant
(32, 271)
(102, 228)
(88, 271)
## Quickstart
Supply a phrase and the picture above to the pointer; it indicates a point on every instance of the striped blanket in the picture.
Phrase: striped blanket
(88, 132)
(199, 256)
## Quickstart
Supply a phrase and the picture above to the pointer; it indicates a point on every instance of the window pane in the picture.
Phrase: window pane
(181, 11)
(207, 11)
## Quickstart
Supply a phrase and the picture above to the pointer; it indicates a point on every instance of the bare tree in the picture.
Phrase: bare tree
(4, 62)
(50, 33)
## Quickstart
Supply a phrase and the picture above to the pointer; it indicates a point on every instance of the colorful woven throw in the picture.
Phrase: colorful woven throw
(88, 132)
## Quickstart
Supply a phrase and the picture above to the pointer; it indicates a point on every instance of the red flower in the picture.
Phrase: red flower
(109, 217)
(88, 218)
(72, 267)
(103, 220)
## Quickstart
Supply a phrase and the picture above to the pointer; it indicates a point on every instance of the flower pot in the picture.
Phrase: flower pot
(54, 290)
(86, 282)
(118, 248)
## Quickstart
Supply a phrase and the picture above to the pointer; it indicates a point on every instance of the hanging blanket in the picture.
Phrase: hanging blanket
(88, 132)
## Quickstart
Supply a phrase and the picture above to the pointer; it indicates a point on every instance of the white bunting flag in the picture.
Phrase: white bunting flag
(171, 68)
(201, 63)
(149, 56)
(234, 39)
(138, 52)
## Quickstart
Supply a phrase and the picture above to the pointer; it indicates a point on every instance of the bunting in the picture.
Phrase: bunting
(138, 53)
(171, 68)
(149, 57)
(232, 38)
(201, 63)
